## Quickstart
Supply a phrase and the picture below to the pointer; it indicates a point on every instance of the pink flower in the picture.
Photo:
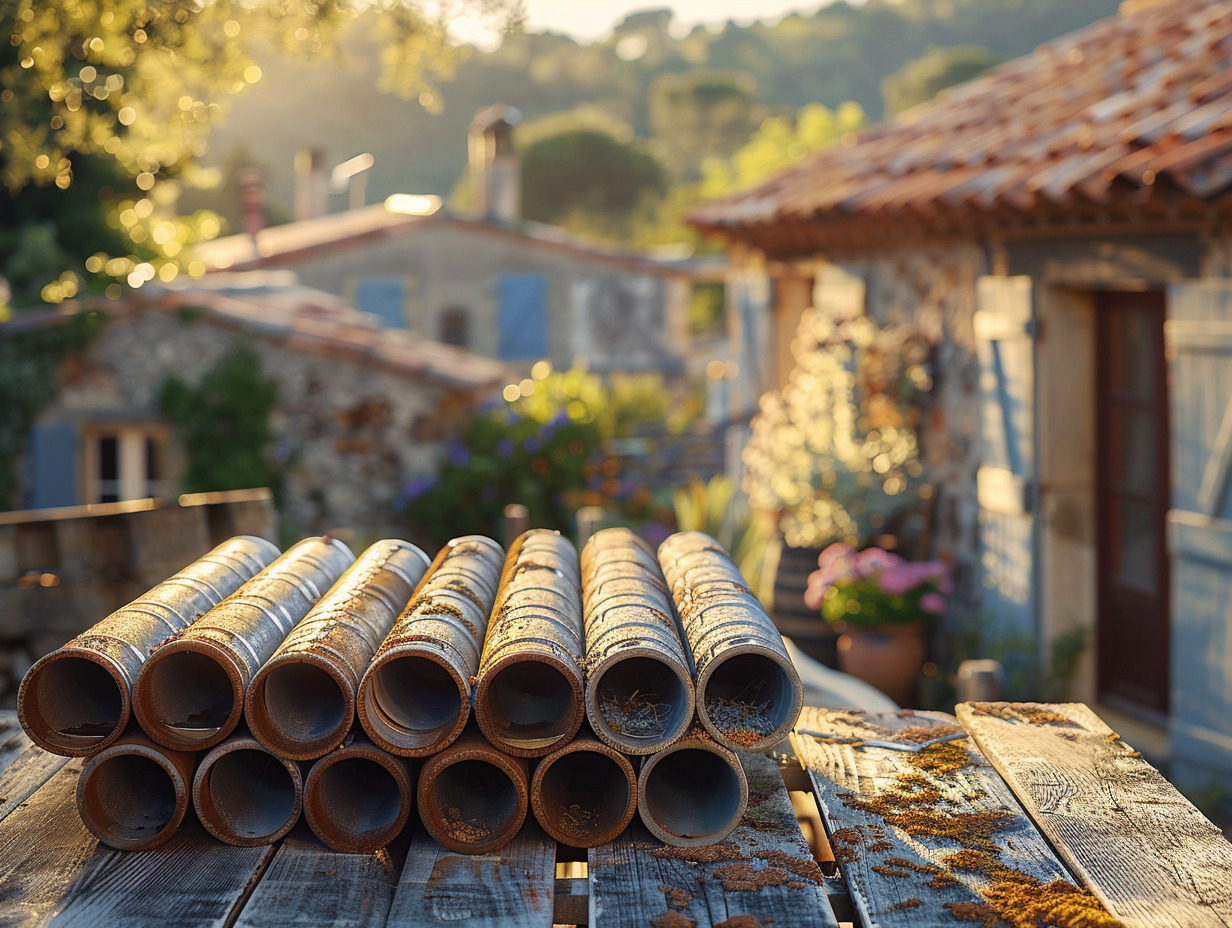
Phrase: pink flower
(933, 603)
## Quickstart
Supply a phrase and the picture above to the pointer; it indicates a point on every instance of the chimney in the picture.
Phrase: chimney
(495, 169)
(311, 184)
(252, 200)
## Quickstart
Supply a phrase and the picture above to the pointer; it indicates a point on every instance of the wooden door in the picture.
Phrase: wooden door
(1132, 493)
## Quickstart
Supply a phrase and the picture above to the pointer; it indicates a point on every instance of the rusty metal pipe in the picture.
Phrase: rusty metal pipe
(473, 798)
(585, 793)
(749, 694)
(77, 699)
(357, 799)
(189, 694)
(246, 796)
(692, 793)
(301, 703)
(529, 691)
(415, 697)
(133, 794)
(639, 683)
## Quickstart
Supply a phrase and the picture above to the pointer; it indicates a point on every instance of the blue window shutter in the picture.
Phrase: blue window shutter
(1005, 483)
(522, 319)
(384, 297)
(53, 465)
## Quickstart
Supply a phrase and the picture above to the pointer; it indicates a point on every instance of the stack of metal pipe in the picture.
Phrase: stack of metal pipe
(258, 686)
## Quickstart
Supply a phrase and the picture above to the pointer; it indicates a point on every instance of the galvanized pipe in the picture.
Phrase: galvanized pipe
(639, 683)
(692, 793)
(749, 694)
(301, 703)
(357, 799)
(529, 692)
(77, 699)
(473, 798)
(415, 697)
(246, 796)
(585, 793)
(133, 794)
(189, 695)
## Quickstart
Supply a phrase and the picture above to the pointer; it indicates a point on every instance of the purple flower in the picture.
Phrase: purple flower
(417, 487)
(933, 603)
(459, 457)
(532, 444)
(504, 447)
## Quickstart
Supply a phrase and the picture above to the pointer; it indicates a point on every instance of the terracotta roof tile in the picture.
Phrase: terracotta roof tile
(1132, 110)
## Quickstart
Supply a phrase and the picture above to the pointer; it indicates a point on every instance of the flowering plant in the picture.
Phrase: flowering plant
(876, 587)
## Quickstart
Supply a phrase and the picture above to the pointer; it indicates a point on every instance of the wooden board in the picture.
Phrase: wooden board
(1137, 843)
(355, 890)
(762, 875)
(24, 766)
(512, 888)
(923, 838)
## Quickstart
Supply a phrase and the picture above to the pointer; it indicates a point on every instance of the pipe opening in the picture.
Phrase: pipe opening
(640, 700)
(418, 698)
(748, 697)
(692, 793)
(530, 704)
(359, 797)
(475, 801)
(584, 793)
(75, 702)
(304, 702)
(128, 797)
(248, 793)
(189, 694)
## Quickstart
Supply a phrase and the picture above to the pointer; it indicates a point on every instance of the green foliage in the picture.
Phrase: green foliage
(224, 424)
(702, 114)
(876, 587)
(29, 379)
(921, 79)
(707, 308)
(1028, 675)
(715, 508)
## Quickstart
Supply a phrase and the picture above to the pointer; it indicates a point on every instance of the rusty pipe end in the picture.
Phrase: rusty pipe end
(246, 796)
(357, 799)
(584, 794)
(473, 798)
(529, 704)
(637, 702)
(750, 698)
(693, 793)
(74, 701)
(133, 795)
(300, 705)
(189, 694)
(413, 702)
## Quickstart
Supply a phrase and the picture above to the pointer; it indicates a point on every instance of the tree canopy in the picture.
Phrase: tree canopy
(921, 79)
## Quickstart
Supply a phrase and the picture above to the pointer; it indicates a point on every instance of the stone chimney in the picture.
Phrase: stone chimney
(496, 171)
(311, 184)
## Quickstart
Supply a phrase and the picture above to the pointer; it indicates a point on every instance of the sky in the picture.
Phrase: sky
(593, 19)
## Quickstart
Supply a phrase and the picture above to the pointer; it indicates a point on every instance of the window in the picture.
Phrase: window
(455, 327)
(126, 462)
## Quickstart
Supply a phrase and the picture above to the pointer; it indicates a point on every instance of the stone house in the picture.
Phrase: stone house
(1061, 229)
(360, 409)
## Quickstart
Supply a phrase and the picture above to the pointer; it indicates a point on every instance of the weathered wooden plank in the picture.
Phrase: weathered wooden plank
(308, 884)
(1136, 842)
(509, 889)
(762, 875)
(24, 766)
(928, 836)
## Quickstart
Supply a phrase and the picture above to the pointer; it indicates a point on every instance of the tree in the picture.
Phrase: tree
(701, 114)
(921, 79)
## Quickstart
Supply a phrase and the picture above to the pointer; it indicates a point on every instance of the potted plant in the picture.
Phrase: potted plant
(881, 606)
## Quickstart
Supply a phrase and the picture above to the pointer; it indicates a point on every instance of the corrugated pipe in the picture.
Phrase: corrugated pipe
(529, 692)
(133, 794)
(246, 796)
(473, 798)
(77, 699)
(692, 793)
(357, 799)
(639, 683)
(189, 695)
(415, 697)
(584, 794)
(748, 691)
(301, 703)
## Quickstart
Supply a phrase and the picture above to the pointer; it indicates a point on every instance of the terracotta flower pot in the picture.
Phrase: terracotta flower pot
(890, 657)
